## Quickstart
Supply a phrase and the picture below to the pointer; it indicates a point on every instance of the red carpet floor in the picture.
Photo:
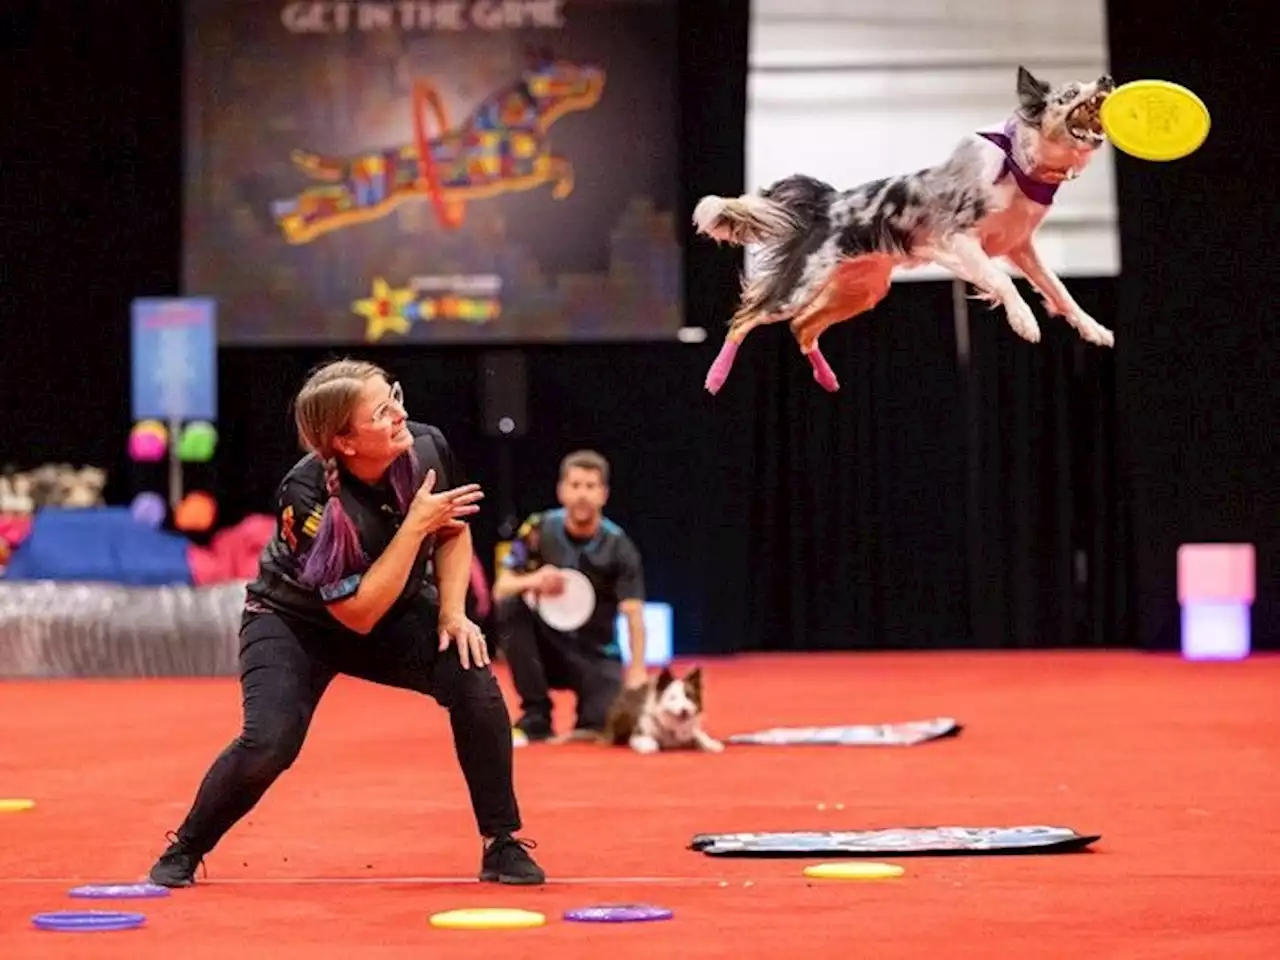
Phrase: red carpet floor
(1177, 765)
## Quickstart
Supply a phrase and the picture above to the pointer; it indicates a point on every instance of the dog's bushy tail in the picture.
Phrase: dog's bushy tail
(741, 220)
(804, 203)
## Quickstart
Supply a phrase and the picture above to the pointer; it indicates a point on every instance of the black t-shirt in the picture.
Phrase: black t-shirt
(300, 503)
(609, 560)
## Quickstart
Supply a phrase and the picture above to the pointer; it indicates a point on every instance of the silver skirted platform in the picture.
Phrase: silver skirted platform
(51, 629)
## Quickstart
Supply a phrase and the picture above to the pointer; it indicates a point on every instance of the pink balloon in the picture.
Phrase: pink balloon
(146, 447)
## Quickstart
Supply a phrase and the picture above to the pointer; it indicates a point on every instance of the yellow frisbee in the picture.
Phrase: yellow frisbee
(1155, 120)
(853, 870)
(487, 918)
(15, 806)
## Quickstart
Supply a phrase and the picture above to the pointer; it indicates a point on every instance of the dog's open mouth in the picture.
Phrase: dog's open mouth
(1084, 122)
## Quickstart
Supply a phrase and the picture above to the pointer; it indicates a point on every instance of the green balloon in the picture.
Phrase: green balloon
(197, 443)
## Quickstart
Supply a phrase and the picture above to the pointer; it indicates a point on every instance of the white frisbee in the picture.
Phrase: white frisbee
(570, 608)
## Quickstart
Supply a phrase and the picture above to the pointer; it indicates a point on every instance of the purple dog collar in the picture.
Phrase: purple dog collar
(1033, 189)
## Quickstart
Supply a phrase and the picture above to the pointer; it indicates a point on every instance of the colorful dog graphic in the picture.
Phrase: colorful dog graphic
(502, 147)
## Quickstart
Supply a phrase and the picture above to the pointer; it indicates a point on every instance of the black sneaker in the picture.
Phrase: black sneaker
(177, 865)
(531, 730)
(506, 861)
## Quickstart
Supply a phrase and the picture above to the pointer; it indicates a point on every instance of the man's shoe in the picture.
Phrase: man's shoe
(530, 730)
(177, 865)
(506, 860)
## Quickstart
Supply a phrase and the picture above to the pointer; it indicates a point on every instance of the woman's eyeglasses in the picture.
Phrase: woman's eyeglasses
(391, 407)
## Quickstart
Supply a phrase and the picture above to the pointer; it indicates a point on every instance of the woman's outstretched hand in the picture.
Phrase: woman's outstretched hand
(432, 511)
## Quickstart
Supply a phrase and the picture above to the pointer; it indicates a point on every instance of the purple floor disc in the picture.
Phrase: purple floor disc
(118, 891)
(88, 920)
(618, 913)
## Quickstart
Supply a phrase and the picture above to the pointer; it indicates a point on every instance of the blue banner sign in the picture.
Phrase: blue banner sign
(174, 358)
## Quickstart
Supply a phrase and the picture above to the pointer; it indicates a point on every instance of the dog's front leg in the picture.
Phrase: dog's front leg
(963, 256)
(1041, 276)
(643, 743)
(707, 742)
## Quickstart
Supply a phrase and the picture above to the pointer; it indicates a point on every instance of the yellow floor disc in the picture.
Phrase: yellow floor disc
(14, 806)
(487, 918)
(853, 870)
(1155, 120)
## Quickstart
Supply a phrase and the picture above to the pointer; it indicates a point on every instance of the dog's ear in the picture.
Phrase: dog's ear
(693, 685)
(1031, 95)
(665, 679)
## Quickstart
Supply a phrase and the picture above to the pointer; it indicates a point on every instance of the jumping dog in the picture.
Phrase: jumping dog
(827, 255)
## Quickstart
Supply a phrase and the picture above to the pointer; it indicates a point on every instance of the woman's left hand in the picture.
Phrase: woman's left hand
(470, 641)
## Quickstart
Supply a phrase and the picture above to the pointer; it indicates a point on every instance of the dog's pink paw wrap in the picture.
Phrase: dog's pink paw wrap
(822, 371)
(720, 368)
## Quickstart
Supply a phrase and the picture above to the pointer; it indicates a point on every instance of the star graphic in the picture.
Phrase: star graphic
(384, 311)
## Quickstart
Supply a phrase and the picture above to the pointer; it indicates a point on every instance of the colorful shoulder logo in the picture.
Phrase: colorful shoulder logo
(310, 526)
(286, 528)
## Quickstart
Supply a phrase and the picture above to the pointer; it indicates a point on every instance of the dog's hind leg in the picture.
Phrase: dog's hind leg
(823, 375)
(771, 296)
(963, 256)
(810, 301)
(718, 372)
(752, 312)
(808, 326)
(853, 289)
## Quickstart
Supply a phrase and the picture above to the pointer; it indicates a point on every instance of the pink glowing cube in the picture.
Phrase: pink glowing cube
(1216, 572)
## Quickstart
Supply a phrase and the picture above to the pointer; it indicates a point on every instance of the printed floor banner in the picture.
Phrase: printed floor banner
(896, 842)
(904, 734)
(433, 171)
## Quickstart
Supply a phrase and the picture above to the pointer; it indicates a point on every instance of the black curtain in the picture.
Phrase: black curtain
(934, 501)
(1198, 391)
(1032, 497)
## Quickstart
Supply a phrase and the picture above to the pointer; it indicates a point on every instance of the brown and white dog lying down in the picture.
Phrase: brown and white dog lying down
(826, 255)
(663, 714)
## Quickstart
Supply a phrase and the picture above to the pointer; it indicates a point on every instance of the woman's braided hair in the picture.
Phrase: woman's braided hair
(322, 411)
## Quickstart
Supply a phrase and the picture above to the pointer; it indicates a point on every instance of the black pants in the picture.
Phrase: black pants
(285, 667)
(543, 659)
